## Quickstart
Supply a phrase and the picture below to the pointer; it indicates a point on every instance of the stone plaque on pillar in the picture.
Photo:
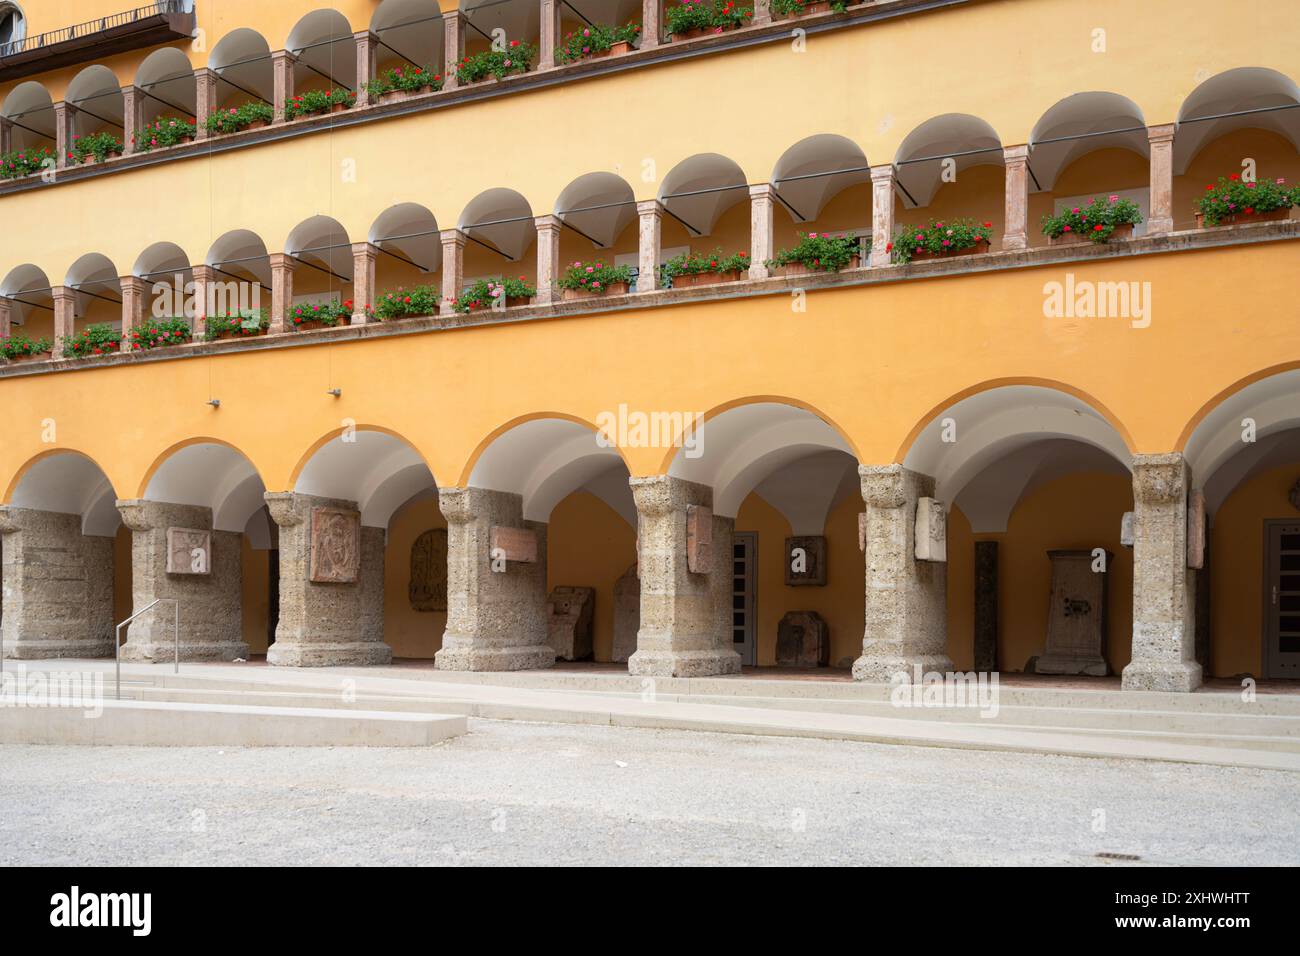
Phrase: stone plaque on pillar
(1076, 617)
(1126, 528)
(805, 561)
(627, 614)
(335, 546)
(862, 531)
(1196, 530)
(189, 551)
(931, 530)
(699, 539)
(802, 640)
(428, 587)
(513, 544)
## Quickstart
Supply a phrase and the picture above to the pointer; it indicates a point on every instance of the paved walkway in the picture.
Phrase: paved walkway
(512, 792)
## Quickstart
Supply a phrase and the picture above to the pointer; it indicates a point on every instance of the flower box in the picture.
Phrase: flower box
(799, 269)
(236, 334)
(618, 49)
(392, 96)
(1122, 233)
(614, 288)
(511, 302)
(256, 124)
(980, 246)
(311, 325)
(809, 9)
(705, 278)
(32, 357)
(1241, 218)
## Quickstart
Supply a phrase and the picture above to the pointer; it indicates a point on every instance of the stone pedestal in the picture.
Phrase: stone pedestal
(906, 610)
(569, 616)
(680, 620)
(803, 640)
(1164, 588)
(496, 620)
(58, 586)
(331, 584)
(627, 615)
(199, 568)
(1077, 617)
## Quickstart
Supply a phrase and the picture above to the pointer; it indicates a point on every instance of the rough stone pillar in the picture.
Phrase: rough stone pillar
(133, 295)
(364, 255)
(722, 583)
(1015, 227)
(550, 39)
(761, 239)
(6, 318)
(58, 586)
(367, 47)
(65, 317)
(906, 611)
(651, 216)
(205, 81)
(6, 135)
(548, 258)
(132, 116)
(282, 267)
(453, 41)
(211, 620)
(453, 269)
(282, 64)
(205, 278)
(762, 13)
(651, 23)
(338, 618)
(679, 618)
(496, 620)
(65, 115)
(1164, 588)
(1161, 220)
(882, 213)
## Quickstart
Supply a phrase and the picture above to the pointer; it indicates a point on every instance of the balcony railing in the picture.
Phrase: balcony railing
(132, 29)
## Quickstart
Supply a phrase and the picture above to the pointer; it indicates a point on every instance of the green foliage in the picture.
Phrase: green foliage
(517, 57)
(236, 325)
(595, 39)
(792, 8)
(162, 132)
(818, 250)
(94, 340)
(716, 15)
(693, 263)
(328, 314)
(484, 294)
(938, 238)
(97, 145)
(19, 345)
(319, 101)
(158, 333)
(24, 162)
(1095, 221)
(420, 300)
(405, 79)
(1232, 196)
(240, 117)
(595, 277)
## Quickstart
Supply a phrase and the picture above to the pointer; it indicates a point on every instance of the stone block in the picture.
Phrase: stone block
(1196, 530)
(335, 545)
(1076, 617)
(189, 551)
(569, 615)
(627, 614)
(931, 530)
(514, 544)
(802, 640)
(1126, 528)
(699, 539)
(805, 561)
(862, 531)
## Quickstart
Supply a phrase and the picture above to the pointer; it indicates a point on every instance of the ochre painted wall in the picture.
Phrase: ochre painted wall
(410, 633)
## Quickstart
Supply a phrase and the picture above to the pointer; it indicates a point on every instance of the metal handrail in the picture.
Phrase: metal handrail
(90, 26)
(117, 643)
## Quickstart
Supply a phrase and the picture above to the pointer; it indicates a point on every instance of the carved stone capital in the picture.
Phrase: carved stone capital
(456, 504)
(883, 486)
(10, 519)
(1159, 479)
(136, 514)
(283, 506)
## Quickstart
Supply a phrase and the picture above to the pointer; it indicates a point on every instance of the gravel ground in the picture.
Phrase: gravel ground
(520, 793)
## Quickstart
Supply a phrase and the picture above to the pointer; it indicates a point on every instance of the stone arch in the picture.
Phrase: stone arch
(598, 206)
(967, 140)
(1083, 123)
(701, 188)
(371, 465)
(167, 78)
(96, 92)
(66, 481)
(242, 59)
(326, 52)
(28, 289)
(31, 109)
(413, 28)
(1201, 117)
(408, 232)
(500, 219)
(816, 169)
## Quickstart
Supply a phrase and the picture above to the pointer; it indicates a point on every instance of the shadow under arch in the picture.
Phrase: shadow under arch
(1223, 395)
(162, 457)
(513, 423)
(334, 433)
(27, 466)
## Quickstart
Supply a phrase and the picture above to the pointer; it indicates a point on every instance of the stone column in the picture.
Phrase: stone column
(173, 567)
(331, 584)
(367, 47)
(651, 23)
(548, 258)
(134, 290)
(1161, 220)
(722, 583)
(1164, 588)
(65, 317)
(882, 213)
(58, 586)
(1015, 226)
(132, 116)
(6, 318)
(282, 267)
(679, 634)
(453, 269)
(496, 620)
(205, 278)
(64, 121)
(6, 135)
(205, 81)
(761, 241)
(453, 41)
(651, 216)
(282, 64)
(906, 613)
(550, 39)
(364, 255)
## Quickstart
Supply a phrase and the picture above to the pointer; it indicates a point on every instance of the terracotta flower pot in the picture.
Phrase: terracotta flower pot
(697, 33)
(311, 325)
(184, 140)
(1241, 218)
(511, 302)
(619, 48)
(238, 334)
(614, 288)
(338, 107)
(981, 246)
(799, 269)
(693, 280)
(256, 124)
(1122, 233)
(393, 96)
(33, 357)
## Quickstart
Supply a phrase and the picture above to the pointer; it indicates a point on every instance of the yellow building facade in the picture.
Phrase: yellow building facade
(938, 436)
